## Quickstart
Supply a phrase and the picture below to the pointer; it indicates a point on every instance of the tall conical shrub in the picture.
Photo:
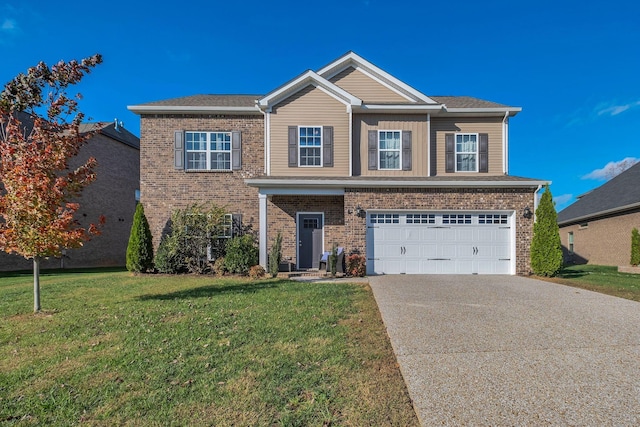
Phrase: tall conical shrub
(635, 247)
(140, 247)
(546, 250)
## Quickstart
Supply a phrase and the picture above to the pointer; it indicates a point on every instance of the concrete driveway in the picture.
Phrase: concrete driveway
(513, 351)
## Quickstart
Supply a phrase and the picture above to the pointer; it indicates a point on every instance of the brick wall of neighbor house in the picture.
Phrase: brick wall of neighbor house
(605, 241)
(440, 199)
(112, 194)
(164, 188)
(349, 230)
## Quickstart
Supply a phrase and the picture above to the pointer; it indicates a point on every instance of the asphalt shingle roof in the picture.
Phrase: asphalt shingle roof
(209, 101)
(466, 102)
(621, 191)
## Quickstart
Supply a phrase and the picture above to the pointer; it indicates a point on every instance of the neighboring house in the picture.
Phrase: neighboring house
(352, 156)
(112, 194)
(596, 229)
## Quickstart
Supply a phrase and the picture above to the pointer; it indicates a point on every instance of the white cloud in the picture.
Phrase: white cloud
(9, 25)
(562, 200)
(611, 169)
(614, 110)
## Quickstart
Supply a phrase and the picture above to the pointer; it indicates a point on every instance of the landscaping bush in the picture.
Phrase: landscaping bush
(356, 265)
(275, 256)
(167, 258)
(139, 256)
(635, 247)
(257, 272)
(218, 267)
(242, 253)
(546, 249)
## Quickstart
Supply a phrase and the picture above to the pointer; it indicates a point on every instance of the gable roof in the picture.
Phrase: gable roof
(117, 133)
(302, 81)
(616, 195)
(416, 102)
(351, 59)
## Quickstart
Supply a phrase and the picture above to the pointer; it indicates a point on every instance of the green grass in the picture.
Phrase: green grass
(602, 279)
(111, 348)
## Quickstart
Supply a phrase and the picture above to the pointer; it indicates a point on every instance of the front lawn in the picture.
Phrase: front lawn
(602, 279)
(111, 348)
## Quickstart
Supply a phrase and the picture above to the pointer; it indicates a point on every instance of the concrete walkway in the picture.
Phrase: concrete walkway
(513, 351)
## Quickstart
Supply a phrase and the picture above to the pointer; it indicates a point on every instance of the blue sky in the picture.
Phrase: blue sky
(573, 66)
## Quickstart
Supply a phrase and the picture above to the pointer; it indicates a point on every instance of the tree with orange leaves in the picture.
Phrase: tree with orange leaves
(39, 134)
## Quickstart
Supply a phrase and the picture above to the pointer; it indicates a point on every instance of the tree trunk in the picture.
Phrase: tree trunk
(36, 284)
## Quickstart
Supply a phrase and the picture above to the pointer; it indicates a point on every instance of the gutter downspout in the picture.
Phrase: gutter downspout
(505, 143)
(536, 201)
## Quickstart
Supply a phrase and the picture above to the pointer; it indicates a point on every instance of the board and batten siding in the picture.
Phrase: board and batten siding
(309, 107)
(364, 87)
(417, 124)
(489, 125)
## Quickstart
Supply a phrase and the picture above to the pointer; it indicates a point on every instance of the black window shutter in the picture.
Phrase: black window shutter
(483, 153)
(236, 225)
(236, 150)
(293, 146)
(406, 150)
(178, 149)
(449, 152)
(373, 149)
(327, 146)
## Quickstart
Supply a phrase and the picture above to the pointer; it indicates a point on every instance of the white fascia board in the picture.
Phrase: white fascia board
(511, 111)
(353, 59)
(599, 214)
(302, 81)
(164, 109)
(348, 183)
(304, 191)
(399, 108)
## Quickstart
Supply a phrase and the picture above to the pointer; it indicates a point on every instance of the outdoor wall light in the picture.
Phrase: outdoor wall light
(527, 212)
(358, 211)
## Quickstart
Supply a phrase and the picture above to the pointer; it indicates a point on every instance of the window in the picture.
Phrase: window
(385, 219)
(570, 242)
(456, 219)
(421, 219)
(493, 219)
(226, 228)
(208, 150)
(466, 152)
(389, 149)
(310, 145)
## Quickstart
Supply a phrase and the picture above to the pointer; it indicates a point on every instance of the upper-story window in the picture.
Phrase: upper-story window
(467, 152)
(310, 145)
(208, 150)
(389, 149)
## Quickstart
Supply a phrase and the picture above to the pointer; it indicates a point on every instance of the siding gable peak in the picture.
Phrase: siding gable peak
(297, 84)
(352, 59)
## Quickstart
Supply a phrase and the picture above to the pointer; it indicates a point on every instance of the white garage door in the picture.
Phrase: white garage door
(440, 243)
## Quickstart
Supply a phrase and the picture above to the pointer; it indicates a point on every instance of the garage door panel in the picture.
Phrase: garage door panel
(427, 244)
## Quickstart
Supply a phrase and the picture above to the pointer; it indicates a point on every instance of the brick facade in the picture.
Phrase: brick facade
(348, 230)
(602, 241)
(112, 194)
(164, 188)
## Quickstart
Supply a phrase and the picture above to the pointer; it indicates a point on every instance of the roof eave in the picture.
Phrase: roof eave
(599, 214)
(489, 111)
(182, 109)
(349, 183)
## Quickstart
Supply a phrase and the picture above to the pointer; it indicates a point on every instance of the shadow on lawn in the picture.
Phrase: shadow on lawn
(213, 290)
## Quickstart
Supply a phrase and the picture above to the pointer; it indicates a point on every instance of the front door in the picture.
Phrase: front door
(309, 240)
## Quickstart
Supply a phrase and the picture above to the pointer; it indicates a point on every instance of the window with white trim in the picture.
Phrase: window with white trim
(421, 219)
(310, 145)
(456, 219)
(208, 150)
(226, 227)
(390, 149)
(570, 240)
(384, 219)
(466, 152)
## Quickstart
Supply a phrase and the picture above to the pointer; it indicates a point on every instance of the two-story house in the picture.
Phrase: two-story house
(350, 155)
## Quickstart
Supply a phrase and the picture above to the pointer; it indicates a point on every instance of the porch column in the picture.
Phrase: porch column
(262, 236)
